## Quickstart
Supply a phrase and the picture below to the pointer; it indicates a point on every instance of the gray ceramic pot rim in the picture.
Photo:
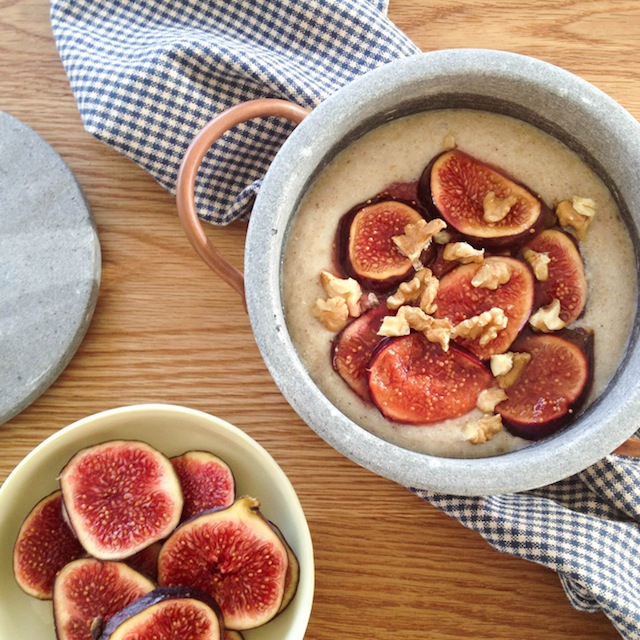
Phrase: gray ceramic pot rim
(547, 96)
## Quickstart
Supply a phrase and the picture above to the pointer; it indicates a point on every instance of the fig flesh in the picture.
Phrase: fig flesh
(235, 557)
(552, 387)
(207, 482)
(45, 544)
(458, 299)
(471, 196)
(365, 247)
(566, 280)
(353, 346)
(89, 590)
(120, 497)
(414, 381)
(170, 613)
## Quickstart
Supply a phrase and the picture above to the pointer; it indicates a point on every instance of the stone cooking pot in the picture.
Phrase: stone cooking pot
(554, 100)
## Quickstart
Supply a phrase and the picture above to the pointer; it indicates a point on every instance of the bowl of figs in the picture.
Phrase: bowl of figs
(441, 269)
(153, 521)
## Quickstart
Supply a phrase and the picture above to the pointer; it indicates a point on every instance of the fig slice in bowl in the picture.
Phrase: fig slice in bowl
(44, 545)
(478, 200)
(365, 246)
(553, 385)
(353, 346)
(235, 556)
(414, 381)
(459, 299)
(115, 482)
(566, 280)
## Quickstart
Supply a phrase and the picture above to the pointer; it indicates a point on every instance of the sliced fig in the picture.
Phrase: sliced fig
(404, 191)
(120, 497)
(207, 482)
(472, 196)
(365, 247)
(170, 613)
(44, 545)
(89, 591)
(413, 381)
(353, 346)
(566, 279)
(552, 387)
(233, 555)
(458, 299)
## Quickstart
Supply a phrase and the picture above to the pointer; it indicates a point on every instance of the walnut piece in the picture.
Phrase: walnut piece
(489, 398)
(483, 430)
(576, 213)
(484, 327)
(508, 367)
(409, 317)
(495, 209)
(417, 236)
(346, 288)
(491, 275)
(423, 287)
(332, 313)
(442, 237)
(462, 252)
(547, 319)
(449, 142)
(539, 263)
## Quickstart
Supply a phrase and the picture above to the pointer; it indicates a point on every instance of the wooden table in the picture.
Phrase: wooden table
(167, 330)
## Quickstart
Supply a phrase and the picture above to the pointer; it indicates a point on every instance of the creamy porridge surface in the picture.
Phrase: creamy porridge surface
(398, 152)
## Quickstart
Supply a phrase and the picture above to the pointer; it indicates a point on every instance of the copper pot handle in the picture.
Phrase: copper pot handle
(193, 157)
(630, 447)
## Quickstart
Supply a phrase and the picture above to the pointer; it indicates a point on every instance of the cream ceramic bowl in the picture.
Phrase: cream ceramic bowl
(605, 135)
(172, 430)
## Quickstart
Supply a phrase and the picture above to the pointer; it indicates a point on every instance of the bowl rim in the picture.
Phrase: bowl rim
(483, 73)
(109, 420)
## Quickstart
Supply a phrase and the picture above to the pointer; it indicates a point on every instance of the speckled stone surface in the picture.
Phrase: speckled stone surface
(49, 266)
(546, 96)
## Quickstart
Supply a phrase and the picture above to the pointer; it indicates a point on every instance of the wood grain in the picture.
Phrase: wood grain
(165, 329)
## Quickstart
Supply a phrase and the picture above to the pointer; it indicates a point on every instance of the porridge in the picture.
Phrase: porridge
(392, 158)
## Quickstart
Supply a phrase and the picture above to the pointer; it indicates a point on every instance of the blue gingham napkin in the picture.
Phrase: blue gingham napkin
(147, 75)
(585, 528)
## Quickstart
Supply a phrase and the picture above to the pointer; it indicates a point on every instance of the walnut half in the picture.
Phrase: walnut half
(483, 430)
(547, 319)
(485, 326)
(576, 213)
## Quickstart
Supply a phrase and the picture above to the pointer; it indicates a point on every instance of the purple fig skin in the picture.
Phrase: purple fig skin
(45, 544)
(112, 630)
(120, 496)
(293, 571)
(545, 219)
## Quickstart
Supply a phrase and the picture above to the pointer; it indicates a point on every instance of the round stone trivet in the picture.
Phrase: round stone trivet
(49, 266)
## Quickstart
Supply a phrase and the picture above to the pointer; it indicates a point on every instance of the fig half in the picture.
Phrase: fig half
(169, 613)
(480, 201)
(566, 279)
(88, 592)
(365, 247)
(120, 497)
(414, 381)
(458, 299)
(353, 346)
(552, 387)
(44, 545)
(234, 556)
(207, 482)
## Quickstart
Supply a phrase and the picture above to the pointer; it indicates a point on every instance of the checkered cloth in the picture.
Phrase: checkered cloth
(584, 527)
(147, 75)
